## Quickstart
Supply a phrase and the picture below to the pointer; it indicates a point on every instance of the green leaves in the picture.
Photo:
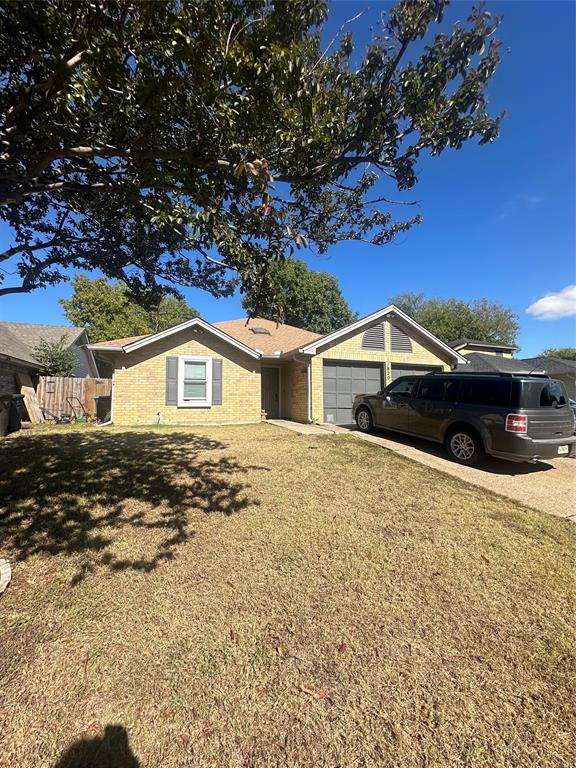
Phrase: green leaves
(58, 358)
(199, 143)
(302, 297)
(451, 319)
(110, 311)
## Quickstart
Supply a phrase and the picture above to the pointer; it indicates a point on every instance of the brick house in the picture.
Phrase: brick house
(232, 372)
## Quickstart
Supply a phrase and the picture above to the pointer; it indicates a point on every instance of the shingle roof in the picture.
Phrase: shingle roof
(486, 363)
(11, 346)
(278, 337)
(275, 338)
(552, 365)
(31, 333)
(121, 342)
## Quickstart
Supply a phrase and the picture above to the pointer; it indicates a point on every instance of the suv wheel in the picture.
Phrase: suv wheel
(364, 420)
(464, 446)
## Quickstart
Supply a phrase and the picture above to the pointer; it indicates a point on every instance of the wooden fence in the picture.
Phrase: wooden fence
(59, 396)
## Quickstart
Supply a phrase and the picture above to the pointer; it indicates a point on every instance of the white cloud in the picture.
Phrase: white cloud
(555, 305)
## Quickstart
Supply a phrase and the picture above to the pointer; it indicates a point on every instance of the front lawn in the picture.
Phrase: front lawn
(245, 596)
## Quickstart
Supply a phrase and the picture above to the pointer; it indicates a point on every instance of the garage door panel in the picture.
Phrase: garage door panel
(330, 399)
(374, 375)
(343, 401)
(344, 385)
(342, 382)
(330, 386)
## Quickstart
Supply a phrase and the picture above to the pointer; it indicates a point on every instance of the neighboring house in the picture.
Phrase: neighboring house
(467, 346)
(15, 357)
(199, 372)
(17, 343)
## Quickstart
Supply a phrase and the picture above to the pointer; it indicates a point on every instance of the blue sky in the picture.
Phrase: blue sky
(499, 220)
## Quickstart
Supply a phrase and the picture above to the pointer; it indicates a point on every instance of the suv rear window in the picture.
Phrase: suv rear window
(485, 392)
(546, 393)
(552, 394)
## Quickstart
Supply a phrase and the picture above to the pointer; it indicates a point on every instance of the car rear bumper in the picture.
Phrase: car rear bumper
(526, 448)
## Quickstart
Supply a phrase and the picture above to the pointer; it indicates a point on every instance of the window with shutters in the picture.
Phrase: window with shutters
(195, 382)
(400, 340)
(374, 337)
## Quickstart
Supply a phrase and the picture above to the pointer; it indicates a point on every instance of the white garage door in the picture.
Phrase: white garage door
(342, 382)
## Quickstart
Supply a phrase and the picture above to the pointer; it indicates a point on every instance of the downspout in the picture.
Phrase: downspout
(309, 392)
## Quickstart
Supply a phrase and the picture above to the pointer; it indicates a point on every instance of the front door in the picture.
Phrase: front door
(270, 392)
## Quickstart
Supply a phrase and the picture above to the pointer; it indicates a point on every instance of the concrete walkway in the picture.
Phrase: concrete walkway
(303, 429)
(548, 486)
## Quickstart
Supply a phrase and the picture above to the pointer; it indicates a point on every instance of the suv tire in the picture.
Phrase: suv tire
(464, 446)
(364, 420)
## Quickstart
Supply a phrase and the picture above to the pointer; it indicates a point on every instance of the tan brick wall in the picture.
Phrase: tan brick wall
(350, 348)
(139, 390)
(294, 389)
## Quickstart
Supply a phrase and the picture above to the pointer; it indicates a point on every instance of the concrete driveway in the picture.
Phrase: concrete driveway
(549, 486)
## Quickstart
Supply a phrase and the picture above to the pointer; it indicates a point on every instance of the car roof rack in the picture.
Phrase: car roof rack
(500, 374)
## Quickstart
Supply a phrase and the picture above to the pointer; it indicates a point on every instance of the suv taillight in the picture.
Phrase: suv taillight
(516, 422)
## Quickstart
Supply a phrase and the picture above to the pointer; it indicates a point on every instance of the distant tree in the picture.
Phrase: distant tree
(451, 319)
(108, 311)
(58, 358)
(311, 300)
(564, 353)
(199, 142)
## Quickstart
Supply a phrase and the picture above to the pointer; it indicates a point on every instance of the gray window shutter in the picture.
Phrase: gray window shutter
(171, 381)
(374, 337)
(216, 382)
(400, 340)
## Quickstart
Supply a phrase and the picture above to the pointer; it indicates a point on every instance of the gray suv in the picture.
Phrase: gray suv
(520, 418)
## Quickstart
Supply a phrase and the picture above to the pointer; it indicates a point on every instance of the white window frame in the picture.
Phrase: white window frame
(196, 402)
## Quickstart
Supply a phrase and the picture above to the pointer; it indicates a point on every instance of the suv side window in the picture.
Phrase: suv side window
(486, 392)
(432, 389)
(402, 387)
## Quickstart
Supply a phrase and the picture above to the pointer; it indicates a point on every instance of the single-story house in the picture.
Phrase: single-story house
(17, 344)
(199, 372)
(468, 346)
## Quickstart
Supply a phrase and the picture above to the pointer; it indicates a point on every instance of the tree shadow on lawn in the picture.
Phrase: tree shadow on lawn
(74, 493)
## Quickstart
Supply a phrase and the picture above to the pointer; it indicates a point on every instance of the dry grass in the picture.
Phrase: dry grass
(246, 596)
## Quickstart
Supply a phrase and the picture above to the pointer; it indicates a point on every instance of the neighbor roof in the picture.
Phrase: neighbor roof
(31, 333)
(12, 347)
(552, 365)
(459, 343)
(479, 362)
(279, 337)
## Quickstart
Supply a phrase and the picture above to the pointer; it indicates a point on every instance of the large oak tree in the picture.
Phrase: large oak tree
(199, 142)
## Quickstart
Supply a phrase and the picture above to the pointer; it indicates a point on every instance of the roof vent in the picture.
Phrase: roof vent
(261, 330)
